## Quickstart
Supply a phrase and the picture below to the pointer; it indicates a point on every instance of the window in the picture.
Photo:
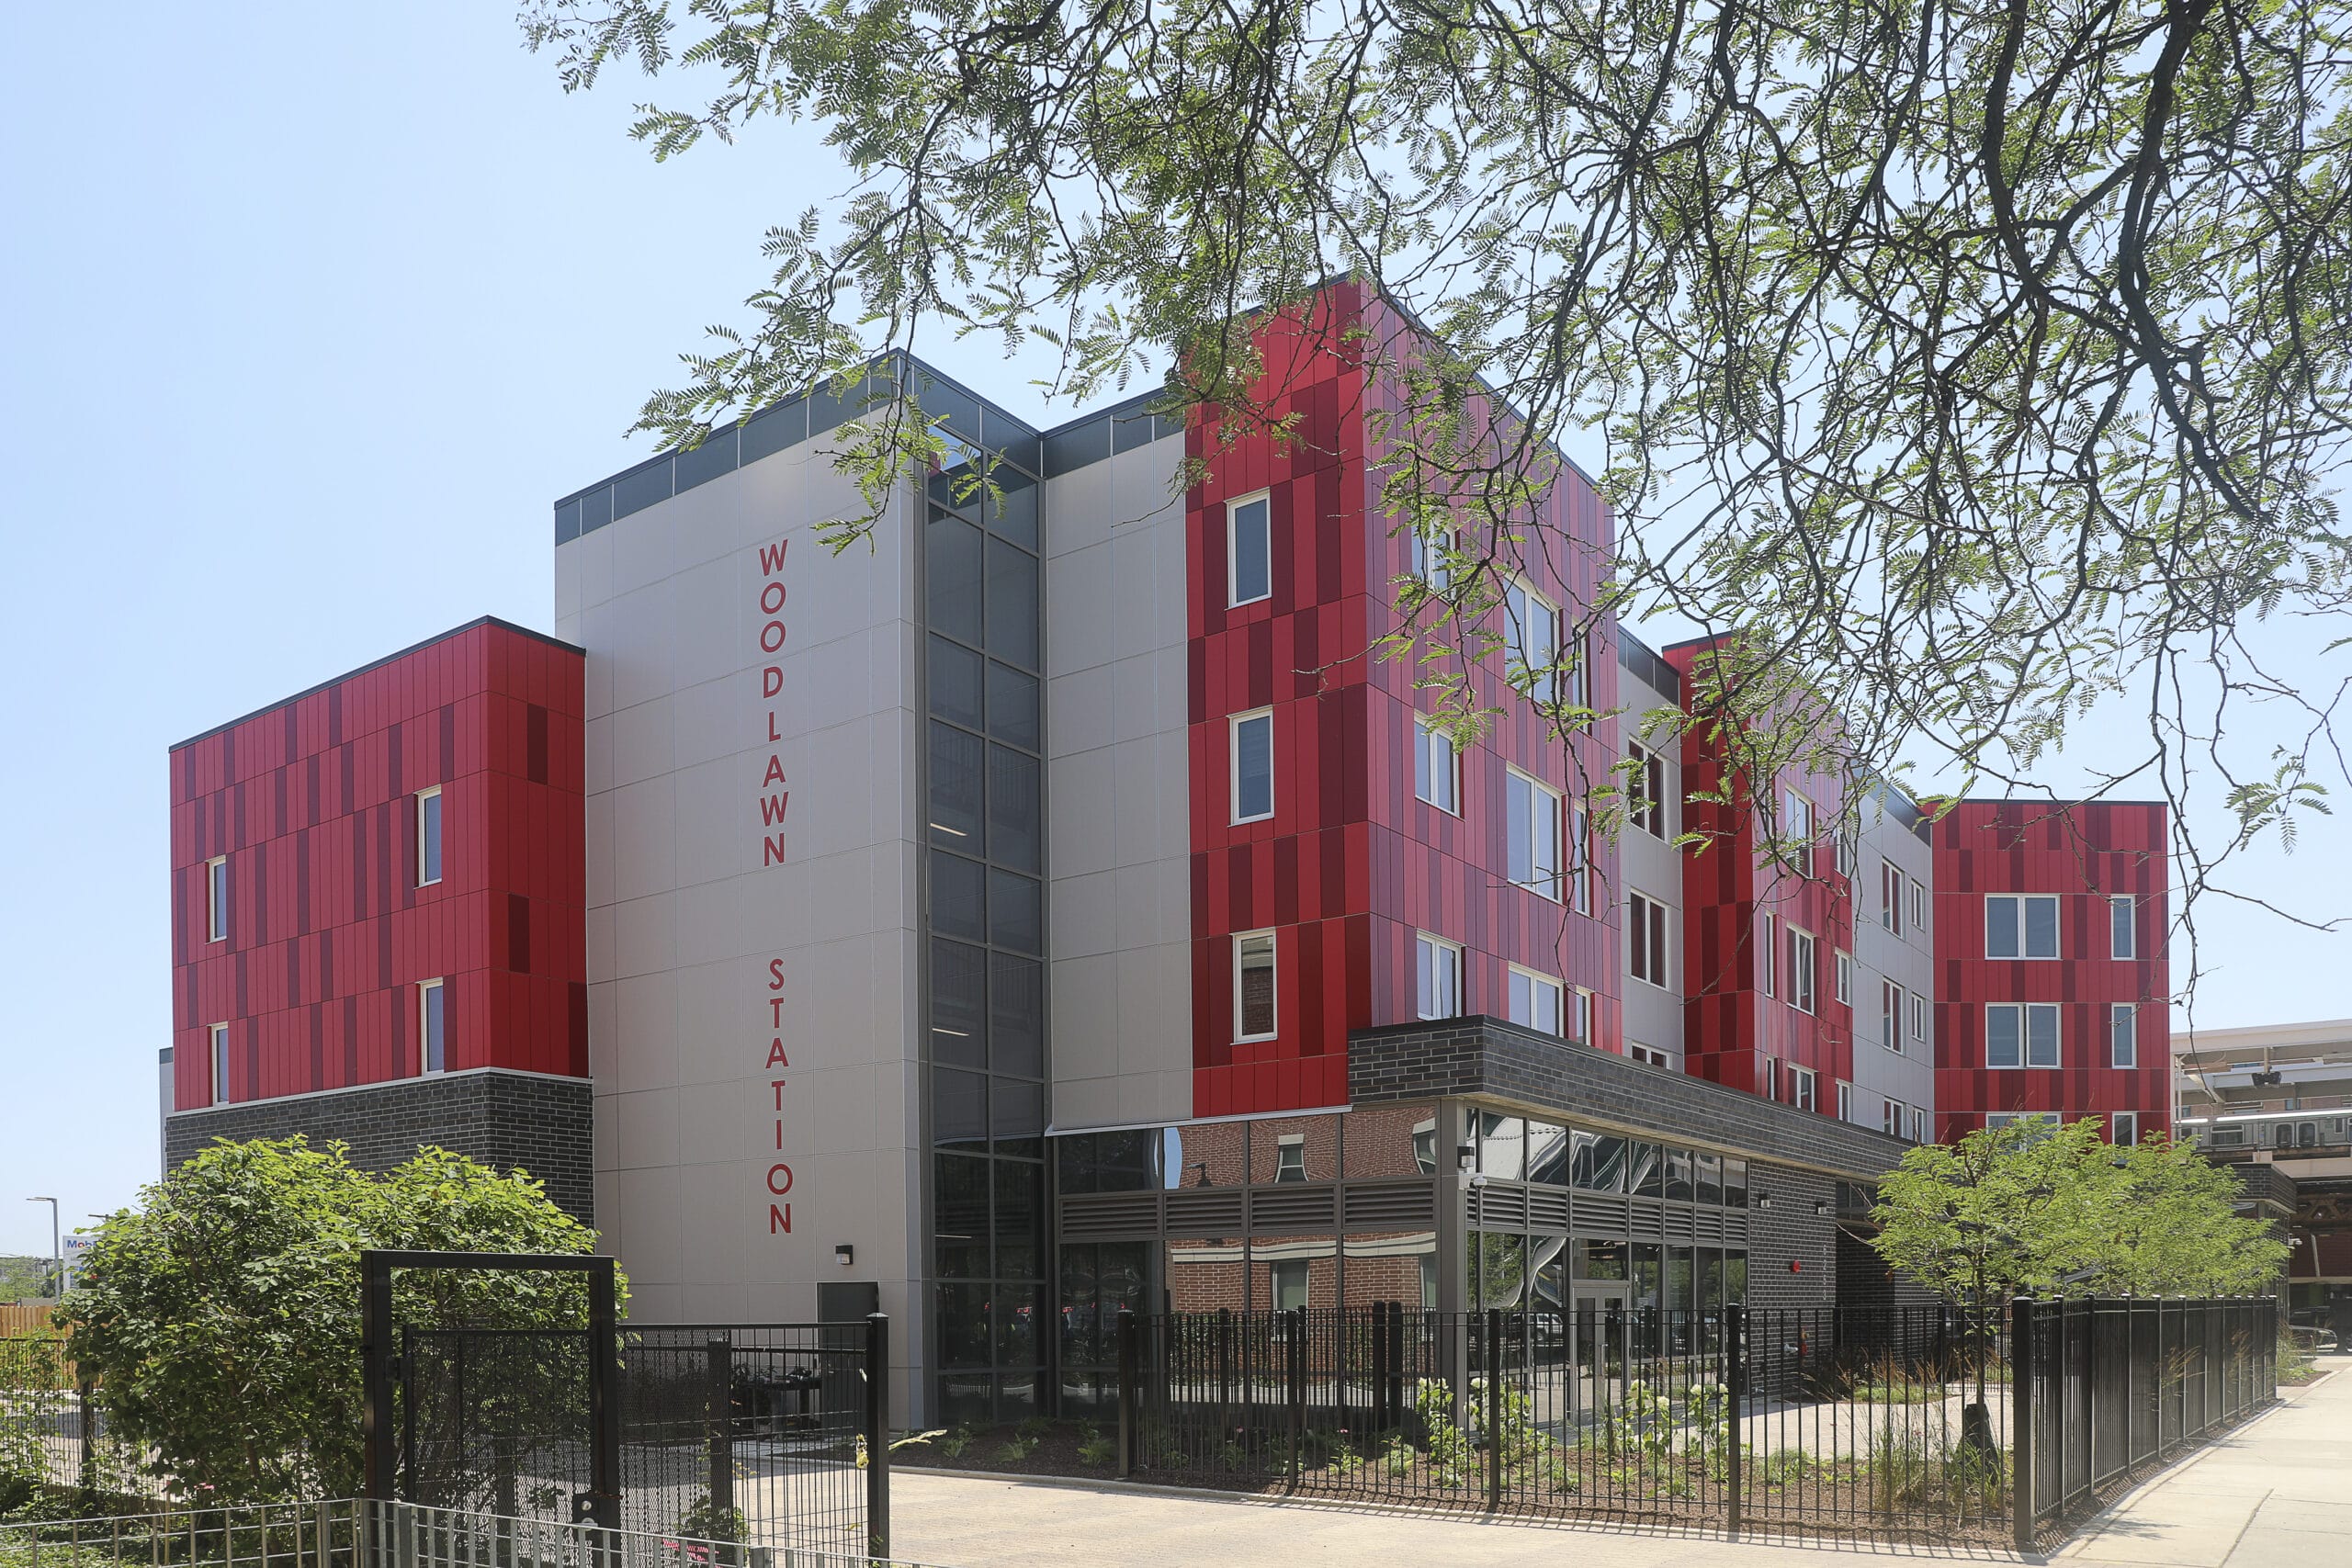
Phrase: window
(1429, 559)
(1645, 793)
(2021, 1034)
(2123, 1129)
(1996, 1119)
(2020, 925)
(1578, 647)
(1290, 1156)
(1918, 1016)
(1849, 855)
(2122, 930)
(219, 1064)
(1534, 826)
(1648, 1053)
(1765, 955)
(1771, 1078)
(1579, 1018)
(1889, 1015)
(1534, 641)
(1802, 970)
(432, 1027)
(1534, 1000)
(1845, 1100)
(216, 898)
(1254, 986)
(1890, 897)
(1646, 924)
(1918, 890)
(1250, 549)
(1254, 766)
(2124, 1035)
(1579, 860)
(1437, 965)
(428, 836)
(1796, 818)
(1437, 773)
(1894, 1118)
(1920, 1132)
(1290, 1284)
(1846, 978)
(1803, 1080)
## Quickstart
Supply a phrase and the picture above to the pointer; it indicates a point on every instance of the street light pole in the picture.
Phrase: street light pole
(56, 1245)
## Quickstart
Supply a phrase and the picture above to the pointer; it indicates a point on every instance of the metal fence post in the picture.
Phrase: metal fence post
(2021, 1489)
(1379, 1370)
(1294, 1383)
(86, 1475)
(1735, 1411)
(1127, 1434)
(878, 1430)
(719, 1393)
(375, 1371)
(605, 1396)
(1493, 1357)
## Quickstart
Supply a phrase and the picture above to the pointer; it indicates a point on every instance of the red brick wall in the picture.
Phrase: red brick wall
(312, 802)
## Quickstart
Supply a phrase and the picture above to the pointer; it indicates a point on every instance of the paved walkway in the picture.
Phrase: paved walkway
(2277, 1495)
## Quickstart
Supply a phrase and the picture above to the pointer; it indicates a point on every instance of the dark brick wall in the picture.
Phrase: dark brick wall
(544, 1125)
(1488, 1057)
(1790, 1232)
(1865, 1281)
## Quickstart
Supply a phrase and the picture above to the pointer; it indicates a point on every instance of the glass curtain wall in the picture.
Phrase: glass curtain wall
(984, 781)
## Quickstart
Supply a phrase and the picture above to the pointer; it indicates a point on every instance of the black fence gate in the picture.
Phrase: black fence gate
(770, 1436)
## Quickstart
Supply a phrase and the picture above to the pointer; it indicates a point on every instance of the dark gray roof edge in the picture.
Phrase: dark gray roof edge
(479, 621)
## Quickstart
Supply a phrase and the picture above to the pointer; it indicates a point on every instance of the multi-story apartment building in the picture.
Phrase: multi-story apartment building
(1048, 906)
(2275, 1103)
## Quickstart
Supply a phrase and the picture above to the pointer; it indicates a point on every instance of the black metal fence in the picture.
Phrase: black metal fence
(1876, 1419)
(2110, 1386)
(756, 1434)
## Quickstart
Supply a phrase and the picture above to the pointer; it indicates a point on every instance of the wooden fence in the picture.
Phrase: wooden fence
(17, 1321)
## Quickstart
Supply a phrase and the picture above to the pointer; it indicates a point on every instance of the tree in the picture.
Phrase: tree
(1961, 366)
(221, 1318)
(2171, 1227)
(25, 1279)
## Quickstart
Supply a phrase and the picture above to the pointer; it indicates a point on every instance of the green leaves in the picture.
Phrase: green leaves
(221, 1318)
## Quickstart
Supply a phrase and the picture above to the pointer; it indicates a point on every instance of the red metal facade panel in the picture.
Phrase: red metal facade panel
(1730, 1023)
(1352, 863)
(2084, 852)
(312, 802)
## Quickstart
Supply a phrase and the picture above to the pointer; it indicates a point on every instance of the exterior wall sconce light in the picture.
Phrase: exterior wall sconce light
(1465, 1158)
(846, 1255)
(1763, 1200)
(1821, 1208)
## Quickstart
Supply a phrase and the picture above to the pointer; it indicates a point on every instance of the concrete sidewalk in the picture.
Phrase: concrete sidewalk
(2278, 1493)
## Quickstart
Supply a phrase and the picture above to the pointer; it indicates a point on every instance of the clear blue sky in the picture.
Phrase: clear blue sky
(311, 313)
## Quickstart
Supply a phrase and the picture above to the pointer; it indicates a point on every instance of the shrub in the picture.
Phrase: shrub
(1095, 1449)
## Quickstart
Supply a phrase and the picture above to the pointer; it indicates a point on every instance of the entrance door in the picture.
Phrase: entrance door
(1598, 1332)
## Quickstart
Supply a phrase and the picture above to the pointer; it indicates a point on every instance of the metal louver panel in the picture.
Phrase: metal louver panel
(1547, 1210)
(1204, 1211)
(1285, 1211)
(1100, 1218)
(1392, 1208)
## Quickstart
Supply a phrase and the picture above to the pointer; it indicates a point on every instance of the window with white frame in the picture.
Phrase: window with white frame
(1918, 891)
(1796, 818)
(1250, 549)
(219, 1064)
(1919, 1007)
(1890, 895)
(1845, 1100)
(1646, 938)
(428, 836)
(1437, 771)
(1645, 790)
(1533, 819)
(2123, 1129)
(1846, 977)
(1889, 1015)
(2124, 1035)
(1579, 1018)
(216, 898)
(1290, 1156)
(1254, 986)
(1894, 1119)
(1579, 860)
(1429, 559)
(1920, 1132)
(1802, 968)
(1996, 1119)
(1650, 1055)
(2021, 1034)
(1767, 956)
(1437, 977)
(1577, 649)
(432, 1026)
(1253, 765)
(1772, 1077)
(1288, 1276)
(1804, 1080)
(2123, 931)
(1534, 641)
(1850, 854)
(2020, 925)
(1535, 1000)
